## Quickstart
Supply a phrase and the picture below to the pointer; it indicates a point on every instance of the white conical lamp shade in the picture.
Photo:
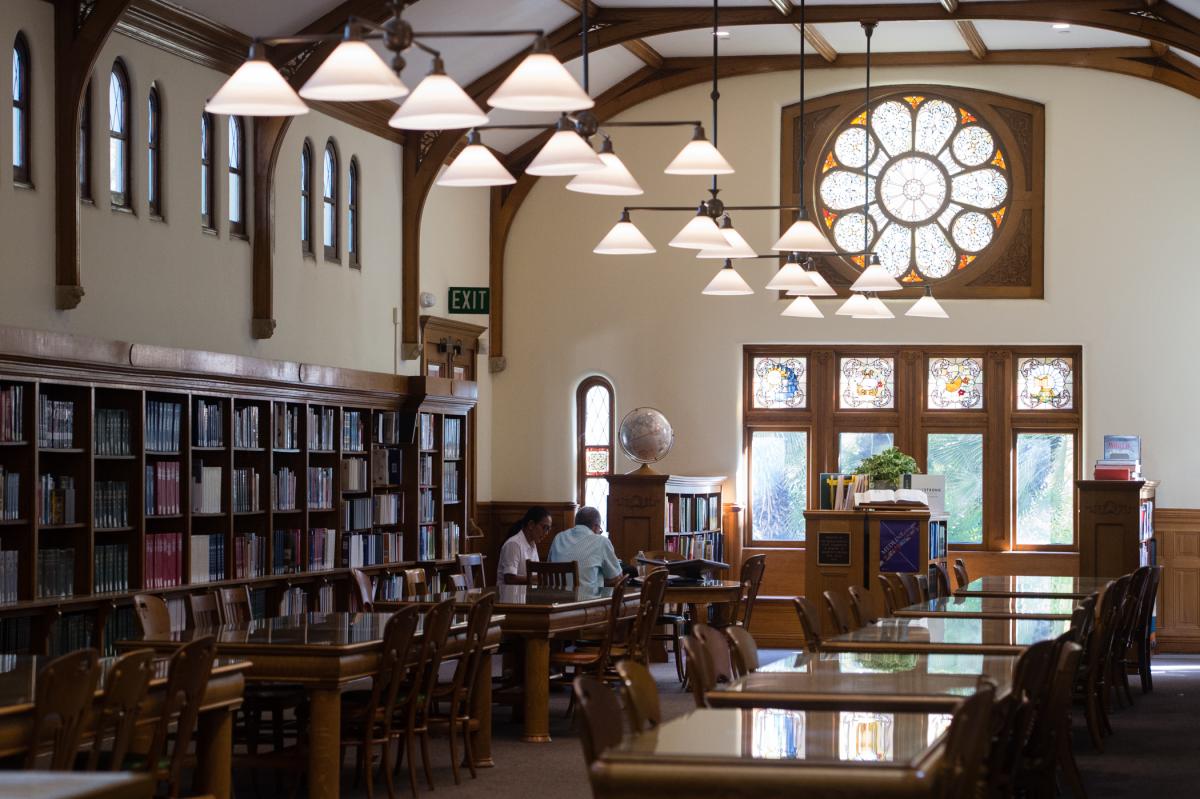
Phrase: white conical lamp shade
(700, 233)
(791, 276)
(738, 246)
(540, 83)
(476, 165)
(727, 283)
(927, 307)
(820, 286)
(857, 304)
(875, 278)
(353, 71)
(624, 239)
(613, 180)
(565, 154)
(699, 157)
(875, 309)
(803, 308)
(438, 103)
(256, 90)
(802, 236)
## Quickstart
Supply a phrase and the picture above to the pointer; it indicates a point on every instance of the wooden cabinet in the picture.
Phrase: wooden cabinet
(1115, 526)
(648, 511)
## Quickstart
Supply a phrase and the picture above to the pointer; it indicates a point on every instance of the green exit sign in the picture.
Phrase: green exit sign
(468, 299)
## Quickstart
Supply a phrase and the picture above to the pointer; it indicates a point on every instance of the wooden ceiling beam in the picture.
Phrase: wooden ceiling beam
(645, 53)
(818, 42)
(970, 35)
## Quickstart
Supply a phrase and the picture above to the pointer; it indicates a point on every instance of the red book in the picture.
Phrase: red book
(1113, 473)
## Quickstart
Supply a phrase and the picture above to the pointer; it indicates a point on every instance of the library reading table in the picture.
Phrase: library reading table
(992, 607)
(1032, 586)
(950, 636)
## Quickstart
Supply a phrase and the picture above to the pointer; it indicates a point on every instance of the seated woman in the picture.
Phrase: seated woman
(523, 538)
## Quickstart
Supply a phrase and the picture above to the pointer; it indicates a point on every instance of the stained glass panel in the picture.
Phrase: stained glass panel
(1045, 383)
(1045, 488)
(973, 146)
(959, 457)
(913, 189)
(595, 494)
(955, 383)
(596, 462)
(778, 484)
(597, 428)
(780, 382)
(867, 383)
(984, 188)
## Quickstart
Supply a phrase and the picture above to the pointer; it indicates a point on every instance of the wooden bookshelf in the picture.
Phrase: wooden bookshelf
(650, 512)
(1116, 526)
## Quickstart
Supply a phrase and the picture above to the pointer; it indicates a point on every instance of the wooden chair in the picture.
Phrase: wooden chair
(860, 607)
(152, 614)
(415, 582)
(204, 611)
(1083, 619)
(720, 656)
(1049, 743)
(1095, 685)
(547, 574)
(912, 588)
(1016, 714)
(1123, 643)
(595, 660)
(889, 595)
(839, 613)
(642, 705)
(922, 586)
(125, 687)
(637, 645)
(471, 566)
(364, 591)
(1142, 642)
(751, 580)
(458, 582)
(187, 678)
(743, 649)
(700, 676)
(960, 573)
(810, 622)
(966, 746)
(66, 688)
(601, 728)
(234, 604)
(673, 618)
(413, 712)
(939, 580)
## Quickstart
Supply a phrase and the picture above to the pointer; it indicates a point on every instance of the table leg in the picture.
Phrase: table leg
(325, 742)
(214, 745)
(537, 690)
(481, 709)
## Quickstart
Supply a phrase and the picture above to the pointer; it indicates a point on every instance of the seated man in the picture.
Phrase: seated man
(584, 544)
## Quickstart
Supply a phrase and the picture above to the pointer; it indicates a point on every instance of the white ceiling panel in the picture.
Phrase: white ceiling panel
(742, 40)
(1042, 36)
(895, 37)
(261, 18)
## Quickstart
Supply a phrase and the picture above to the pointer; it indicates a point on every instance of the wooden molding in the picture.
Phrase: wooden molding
(185, 34)
(819, 43)
(970, 35)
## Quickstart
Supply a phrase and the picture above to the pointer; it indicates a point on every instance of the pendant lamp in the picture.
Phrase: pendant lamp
(791, 276)
(256, 89)
(875, 309)
(613, 180)
(476, 165)
(858, 303)
(353, 72)
(927, 307)
(820, 286)
(624, 239)
(438, 103)
(540, 83)
(802, 236)
(566, 153)
(699, 157)
(738, 246)
(803, 308)
(875, 278)
(727, 283)
(700, 233)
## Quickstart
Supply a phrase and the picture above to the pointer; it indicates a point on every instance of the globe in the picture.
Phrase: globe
(646, 435)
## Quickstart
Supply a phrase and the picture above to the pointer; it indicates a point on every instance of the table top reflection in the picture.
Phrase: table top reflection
(521, 596)
(1034, 586)
(994, 607)
(948, 634)
(68, 785)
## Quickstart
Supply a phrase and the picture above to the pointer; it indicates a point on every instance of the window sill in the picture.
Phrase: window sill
(23, 184)
(308, 256)
(210, 231)
(157, 218)
(329, 260)
(87, 201)
(123, 209)
(239, 236)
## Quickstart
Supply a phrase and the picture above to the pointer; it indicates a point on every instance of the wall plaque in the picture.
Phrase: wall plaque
(833, 549)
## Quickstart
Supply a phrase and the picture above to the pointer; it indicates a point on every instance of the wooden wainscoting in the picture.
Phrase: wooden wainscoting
(494, 518)
(1177, 531)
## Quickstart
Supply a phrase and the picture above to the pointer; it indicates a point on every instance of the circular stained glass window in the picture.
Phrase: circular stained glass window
(935, 181)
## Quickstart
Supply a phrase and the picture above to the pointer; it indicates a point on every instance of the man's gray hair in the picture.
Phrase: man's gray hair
(587, 516)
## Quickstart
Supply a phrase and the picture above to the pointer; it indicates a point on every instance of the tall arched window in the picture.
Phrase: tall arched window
(329, 203)
(20, 110)
(306, 237)
(208, 201)
(352, 221)
(119, 184)
(85, 145)
(237, 177)
(594, 443)
(154, 153)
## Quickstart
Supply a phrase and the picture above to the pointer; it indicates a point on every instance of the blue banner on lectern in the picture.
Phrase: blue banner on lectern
(899, 545)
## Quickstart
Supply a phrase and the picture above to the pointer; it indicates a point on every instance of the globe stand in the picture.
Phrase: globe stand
(644, 469)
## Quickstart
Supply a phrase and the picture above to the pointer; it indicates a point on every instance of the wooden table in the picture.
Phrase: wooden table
(953, 636)
(992, 607)
(724, 594)
(881, 681)
(769, 752)
(214, 740)
(324, 652)
(1030, 586)
(75, 785)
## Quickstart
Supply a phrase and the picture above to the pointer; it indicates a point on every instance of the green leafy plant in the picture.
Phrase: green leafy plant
(888, 466)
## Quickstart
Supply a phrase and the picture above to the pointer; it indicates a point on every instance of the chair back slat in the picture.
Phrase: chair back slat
(888, 591)
(187, 678)
(751, 580)
(415, 582)
(125, 688)
(700, 675)
(234, 603)
(548, 574)
(152, 614)
(654, 588)
(471, 566)
(966, 745)
(601, 728)
(810, 622)
(839, 613)
(474, 644)
(860, 606)
(743, 649)
(205, 611)
(910, 587)
(719, 654)
(960, 573)
(642, 704)
(66, 688)
(939, 580)
(390, 676)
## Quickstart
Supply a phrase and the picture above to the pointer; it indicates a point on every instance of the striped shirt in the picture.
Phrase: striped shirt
(593, 552)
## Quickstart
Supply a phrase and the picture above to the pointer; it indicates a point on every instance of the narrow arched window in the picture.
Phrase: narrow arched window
(352, 220)
(85, 145)
(237, 177)
(154, 197)
(594, 443)
(118, 137)
(329, 199)
(306, 237)
(20, 106)
(208, 202)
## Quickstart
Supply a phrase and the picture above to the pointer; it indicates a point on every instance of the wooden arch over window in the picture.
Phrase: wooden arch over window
(595, 429)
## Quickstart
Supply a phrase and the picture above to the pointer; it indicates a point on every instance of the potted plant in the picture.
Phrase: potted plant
(887, 468)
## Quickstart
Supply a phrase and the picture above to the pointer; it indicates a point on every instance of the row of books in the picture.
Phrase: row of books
(162, 426)
(838, 490)
(56, 499)
(287, 427)
(249, 556)
(1146, 520)
(427, 431)
(387, 508)
(283, 489)
(285, 552)
(356, 514)
(56, 423)
(294, 602)
(110, 504)
(431, 542)
(1117, 470)
(164, 560)
(709, 546)
(427, 507)
(122, 625)
(112, 568)
(425, 470)
(687, 513)
(354, 474)
(322, 549)
(15, 634)
(56, 572)
(246, 490)
(385, 466)
(321, 425)
(320, 487)
(10, 495)
(372, 549)
(450, 482)
(208, 558)
(245, 427)
(452, 438)
(209, 424)
(112, 431)
(206, 489)
(387, 428)
(162, 489)
(12, 413)
(73, 631)
(354, 431)
(10, 566)
(1122, 459)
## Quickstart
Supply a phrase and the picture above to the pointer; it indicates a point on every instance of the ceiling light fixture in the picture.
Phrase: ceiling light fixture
(540, 83)
(791, 277)
(699, 157)
(438, 103)
(738, 246)
(820, 286)
(624, 239)
(256, 89)
(927, 307)
(566, 153)
(700, 233)
(874, 309)
(613, 180)
(727, 283)
(475, 166)
(803, 308)
(353, 72)
(856, 304)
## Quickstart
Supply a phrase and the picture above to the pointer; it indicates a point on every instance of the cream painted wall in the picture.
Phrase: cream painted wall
(1121, 279)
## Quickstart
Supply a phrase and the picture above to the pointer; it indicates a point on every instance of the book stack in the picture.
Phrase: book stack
(387, 508)
(246, 490)
(122, 625)
(426, 543)
(357, 514)
(389, 588)
(245, 428)
(287, 426)
(427, 431)
(56, 498)
(452, 433)
(112, 568)
(112, 432)
(450, 534)
(56, 572)
(838, 490)
(285, 552)
(10, 565)
(425, 470)
(322, 548)
(56, 423)
(164, 560)
(294, 602)
(353, 437)
(15, 633)
(208, 558)
(385, 466)
(450, 482)
(73, 631)
(428, 508)
(210, 424)
(387, 427)
(284, 487)
(324, 602)
(162, 426)
(162, 489)
(354, 474)
(206, 489)
(249, 555)
(12, 413)
(320, 487)
(111, 503)
(10, 495)
(1122, 459)
(371, 549)
(320, 428)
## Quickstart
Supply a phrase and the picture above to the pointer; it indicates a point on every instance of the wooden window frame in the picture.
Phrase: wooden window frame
(85, 146)
(581, 447)
(208, 152)
(911, 421)
(330, 191)
(353, 221)
(122, 201)
(236, 128)
(749, 541)
(154, 181)
(23, 171)
(306, 196)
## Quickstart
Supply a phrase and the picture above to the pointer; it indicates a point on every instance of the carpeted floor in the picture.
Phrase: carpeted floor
(1154, 753)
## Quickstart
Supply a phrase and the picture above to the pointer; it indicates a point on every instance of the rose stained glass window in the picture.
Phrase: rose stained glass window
(955, 383)
(937, 185)
(780, 382)
(867, 383)
(1045, 384)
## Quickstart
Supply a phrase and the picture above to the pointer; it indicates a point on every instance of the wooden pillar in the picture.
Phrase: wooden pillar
(268, 138)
